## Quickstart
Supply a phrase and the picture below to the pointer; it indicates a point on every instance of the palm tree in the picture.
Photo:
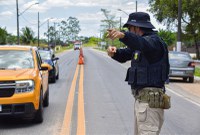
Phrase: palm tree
(27, 35)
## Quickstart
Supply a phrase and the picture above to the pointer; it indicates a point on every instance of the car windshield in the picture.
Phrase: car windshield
(16, 59)
(179, 56)
(45, 55)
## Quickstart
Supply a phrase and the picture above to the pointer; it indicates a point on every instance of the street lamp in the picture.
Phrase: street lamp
(38, 29)
(122, 11)
(18, 14)
(120, 17)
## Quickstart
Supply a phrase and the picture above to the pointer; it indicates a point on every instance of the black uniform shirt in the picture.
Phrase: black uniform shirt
(152, 52)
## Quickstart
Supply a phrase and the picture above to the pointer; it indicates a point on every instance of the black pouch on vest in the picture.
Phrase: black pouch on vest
(130, 75)
(142, 75)
(164, 73)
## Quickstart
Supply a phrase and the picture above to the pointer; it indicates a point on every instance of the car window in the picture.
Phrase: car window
(179, 56)
(15, 59)
(45, 55)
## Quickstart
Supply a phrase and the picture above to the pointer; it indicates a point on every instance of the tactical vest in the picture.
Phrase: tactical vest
(142, 73)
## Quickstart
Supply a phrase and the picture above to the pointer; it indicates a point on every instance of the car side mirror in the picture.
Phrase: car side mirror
(56, 58)
(53, 56)
(46, 66)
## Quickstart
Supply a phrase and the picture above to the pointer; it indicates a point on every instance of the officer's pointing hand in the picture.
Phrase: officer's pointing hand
(113, 34)
(111, 51)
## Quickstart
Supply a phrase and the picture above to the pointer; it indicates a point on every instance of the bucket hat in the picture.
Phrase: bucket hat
(139, 19)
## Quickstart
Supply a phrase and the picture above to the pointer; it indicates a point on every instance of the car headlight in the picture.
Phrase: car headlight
(24, 86)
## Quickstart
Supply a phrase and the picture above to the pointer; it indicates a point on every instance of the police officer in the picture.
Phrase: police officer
(148, 72)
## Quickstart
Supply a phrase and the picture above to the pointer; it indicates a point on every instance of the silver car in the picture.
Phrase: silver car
(181, 65)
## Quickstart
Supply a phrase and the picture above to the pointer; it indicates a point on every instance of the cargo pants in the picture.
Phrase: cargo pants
(148, 121)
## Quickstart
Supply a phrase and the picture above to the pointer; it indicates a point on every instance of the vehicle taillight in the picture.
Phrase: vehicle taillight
(191, 64)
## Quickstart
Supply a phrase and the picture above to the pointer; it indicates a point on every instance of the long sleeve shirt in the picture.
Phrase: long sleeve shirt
(134, 42)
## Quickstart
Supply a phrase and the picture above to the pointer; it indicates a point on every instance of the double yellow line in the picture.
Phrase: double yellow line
(66, 126)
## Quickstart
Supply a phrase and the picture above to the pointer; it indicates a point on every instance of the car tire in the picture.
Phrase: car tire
(191, 79)
(39, 113)
(185, 79)
(46, 99)
(57, 77)
(53, 79)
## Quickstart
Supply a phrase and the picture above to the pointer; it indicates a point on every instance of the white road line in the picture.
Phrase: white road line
(186, 98)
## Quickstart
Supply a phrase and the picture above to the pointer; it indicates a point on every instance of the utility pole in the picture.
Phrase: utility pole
(55, 32)
(120, 27)
(38, 29)
(136, 5)
(18, 14)
(17, 21)
(48, 31)
(179, 26)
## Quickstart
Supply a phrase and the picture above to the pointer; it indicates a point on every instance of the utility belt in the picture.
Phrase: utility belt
(155, 97)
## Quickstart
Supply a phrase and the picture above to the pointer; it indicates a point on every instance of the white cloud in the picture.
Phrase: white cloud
(56, 3)
(90, 20)
(90, 16)
(6, 13)
(6, 2)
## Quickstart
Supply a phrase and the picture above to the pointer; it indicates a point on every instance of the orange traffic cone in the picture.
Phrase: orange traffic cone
(81, 51)
(81, 60)
(81, 57)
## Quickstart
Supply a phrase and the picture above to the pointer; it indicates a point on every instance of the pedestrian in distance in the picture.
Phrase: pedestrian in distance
(148, 72)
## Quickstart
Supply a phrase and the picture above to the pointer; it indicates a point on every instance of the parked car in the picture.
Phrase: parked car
(181, 65)
(48, 56)
(24, 87)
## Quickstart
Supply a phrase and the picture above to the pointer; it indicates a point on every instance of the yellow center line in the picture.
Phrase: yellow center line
(66, 126)
(81, 112)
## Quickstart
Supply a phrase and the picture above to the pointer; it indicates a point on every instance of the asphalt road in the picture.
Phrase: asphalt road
(93, 99)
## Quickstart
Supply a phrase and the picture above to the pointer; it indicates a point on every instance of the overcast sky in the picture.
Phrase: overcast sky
(88, 12)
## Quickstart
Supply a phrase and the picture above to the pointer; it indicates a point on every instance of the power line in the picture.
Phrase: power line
(28, 21)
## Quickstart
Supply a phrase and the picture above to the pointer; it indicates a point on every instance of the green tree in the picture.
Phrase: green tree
(168, 36)
(27, 35)
(51, 32)
(93, 40)
(11, 39)
(3, 35)
(73, 28)
(166, 11)
(110, 21)
(64, 31)
(67, 30)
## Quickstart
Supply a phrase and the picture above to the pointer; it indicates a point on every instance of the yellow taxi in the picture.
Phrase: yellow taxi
(24, 88)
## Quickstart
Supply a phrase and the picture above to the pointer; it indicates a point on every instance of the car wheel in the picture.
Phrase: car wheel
(57, 77)
(53, 79)
(191, 79)
(46, 99)
(39, 114)
(185, 79)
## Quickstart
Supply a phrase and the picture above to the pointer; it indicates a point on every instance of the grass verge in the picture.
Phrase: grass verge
(197, 71)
